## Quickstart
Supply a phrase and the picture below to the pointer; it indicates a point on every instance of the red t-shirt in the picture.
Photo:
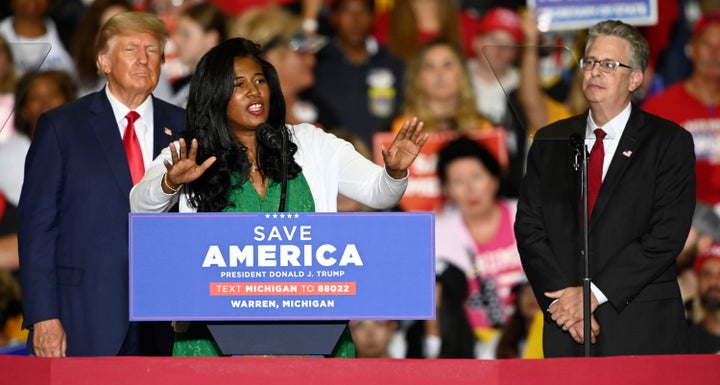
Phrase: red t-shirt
(3, 204)
(467, 29)
(235, 7)
(703, 122)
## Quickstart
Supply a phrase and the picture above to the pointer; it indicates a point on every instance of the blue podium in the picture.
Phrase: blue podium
(281, 283)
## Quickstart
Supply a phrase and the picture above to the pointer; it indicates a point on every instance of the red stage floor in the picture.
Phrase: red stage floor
(679, 369)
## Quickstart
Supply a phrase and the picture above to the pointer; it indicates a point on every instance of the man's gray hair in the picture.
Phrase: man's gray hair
(639, 49)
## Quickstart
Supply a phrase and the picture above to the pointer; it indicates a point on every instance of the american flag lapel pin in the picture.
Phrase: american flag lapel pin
(168, 131)
(627, 153)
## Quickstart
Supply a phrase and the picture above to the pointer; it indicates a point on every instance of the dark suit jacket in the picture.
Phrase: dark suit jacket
(73, 222)
(638, 227)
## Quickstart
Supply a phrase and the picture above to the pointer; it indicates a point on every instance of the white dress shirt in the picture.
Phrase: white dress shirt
(614, 130)
(143, 125)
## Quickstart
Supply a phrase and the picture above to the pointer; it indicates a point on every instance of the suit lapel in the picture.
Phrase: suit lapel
(627, 146)
(163, 133)
(105, 128)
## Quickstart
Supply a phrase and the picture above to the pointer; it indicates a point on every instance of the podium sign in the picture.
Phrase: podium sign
(281, 266)
(557, 15)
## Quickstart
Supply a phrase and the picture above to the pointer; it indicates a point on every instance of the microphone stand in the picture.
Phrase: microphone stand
(581, 163)
(265, 134)
(284, 176)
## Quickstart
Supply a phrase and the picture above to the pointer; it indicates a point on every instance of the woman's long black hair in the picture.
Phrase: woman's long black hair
(206, 120)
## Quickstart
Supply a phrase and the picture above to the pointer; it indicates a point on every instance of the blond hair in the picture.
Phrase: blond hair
(268, 26)
(126, 23)
(416, 103)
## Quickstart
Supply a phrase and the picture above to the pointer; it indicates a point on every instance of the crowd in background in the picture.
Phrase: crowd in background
(361, 67)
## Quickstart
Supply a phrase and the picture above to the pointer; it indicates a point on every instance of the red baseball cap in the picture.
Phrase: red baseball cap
(501, 18)
(712, 253)
(705, 20)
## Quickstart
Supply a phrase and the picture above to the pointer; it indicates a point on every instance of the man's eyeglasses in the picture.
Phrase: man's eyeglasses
(605, 65)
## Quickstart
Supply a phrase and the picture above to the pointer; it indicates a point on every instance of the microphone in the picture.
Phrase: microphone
(577, 144)
(267, 135)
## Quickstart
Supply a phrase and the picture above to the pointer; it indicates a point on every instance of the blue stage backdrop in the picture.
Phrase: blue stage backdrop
(282, 266)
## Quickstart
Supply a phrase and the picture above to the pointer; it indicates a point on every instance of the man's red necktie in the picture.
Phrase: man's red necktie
(132, 148)
(595, 168)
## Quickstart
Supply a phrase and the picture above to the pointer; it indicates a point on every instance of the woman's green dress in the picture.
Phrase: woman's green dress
(197, 341)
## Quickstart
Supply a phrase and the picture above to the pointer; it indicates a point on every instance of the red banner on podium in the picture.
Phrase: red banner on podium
(423, 191)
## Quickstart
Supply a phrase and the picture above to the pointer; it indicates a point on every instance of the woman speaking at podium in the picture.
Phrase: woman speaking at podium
(237, 154)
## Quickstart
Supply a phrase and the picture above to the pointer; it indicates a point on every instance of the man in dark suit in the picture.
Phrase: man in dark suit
(73, 211)
(644, 178)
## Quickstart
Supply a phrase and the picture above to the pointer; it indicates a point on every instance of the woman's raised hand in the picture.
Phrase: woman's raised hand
(184, 167)
(404, 148)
